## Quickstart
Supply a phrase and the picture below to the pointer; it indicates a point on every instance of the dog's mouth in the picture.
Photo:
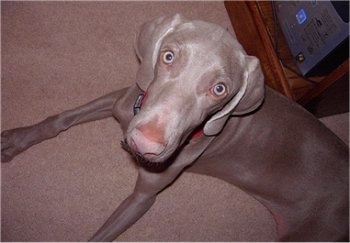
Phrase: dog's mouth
(145, 163)
(160, 166)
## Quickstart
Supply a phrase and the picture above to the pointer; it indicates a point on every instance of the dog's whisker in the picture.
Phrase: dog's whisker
(125, 145)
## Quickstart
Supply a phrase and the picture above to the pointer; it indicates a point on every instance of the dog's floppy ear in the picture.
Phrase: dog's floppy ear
(148, 43)
(248, 98)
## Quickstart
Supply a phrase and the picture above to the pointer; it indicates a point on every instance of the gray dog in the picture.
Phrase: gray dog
(200, 104)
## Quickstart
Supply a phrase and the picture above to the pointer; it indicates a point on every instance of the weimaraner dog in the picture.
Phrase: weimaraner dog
(200, 105)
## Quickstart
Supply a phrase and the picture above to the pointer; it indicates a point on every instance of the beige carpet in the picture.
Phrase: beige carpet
(56, 56)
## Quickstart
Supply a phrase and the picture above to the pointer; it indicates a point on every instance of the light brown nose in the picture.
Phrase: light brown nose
(148, 139)
(152, 131)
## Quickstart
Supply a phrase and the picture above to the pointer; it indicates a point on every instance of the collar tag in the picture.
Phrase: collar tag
(138, 103)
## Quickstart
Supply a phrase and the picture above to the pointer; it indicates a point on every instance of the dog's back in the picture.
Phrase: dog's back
(290, 162)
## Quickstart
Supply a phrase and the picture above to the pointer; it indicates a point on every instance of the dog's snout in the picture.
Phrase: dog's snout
(148, 140)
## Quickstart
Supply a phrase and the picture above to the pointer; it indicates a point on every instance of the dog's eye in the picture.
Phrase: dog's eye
(219, 89)
(168, 57)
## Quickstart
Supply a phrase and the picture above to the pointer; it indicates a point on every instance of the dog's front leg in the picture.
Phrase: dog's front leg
(17, 140)
(137, 204)
(147, 186)
(126, 214)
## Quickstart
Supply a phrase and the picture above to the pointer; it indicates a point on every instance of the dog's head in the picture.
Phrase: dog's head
(194, 73)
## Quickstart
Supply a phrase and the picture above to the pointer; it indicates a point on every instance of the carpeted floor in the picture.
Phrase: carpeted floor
(58, 55)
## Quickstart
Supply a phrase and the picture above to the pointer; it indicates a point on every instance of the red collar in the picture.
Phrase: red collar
(196, 133)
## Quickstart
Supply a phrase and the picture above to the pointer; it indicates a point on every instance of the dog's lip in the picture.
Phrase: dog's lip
(150, 157)
(158, 163)
(152, 166)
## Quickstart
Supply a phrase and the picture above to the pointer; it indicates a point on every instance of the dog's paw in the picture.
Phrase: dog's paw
(13, 142)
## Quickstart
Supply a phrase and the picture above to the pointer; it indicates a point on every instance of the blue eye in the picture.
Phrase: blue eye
(219, 89)
(168, 57)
